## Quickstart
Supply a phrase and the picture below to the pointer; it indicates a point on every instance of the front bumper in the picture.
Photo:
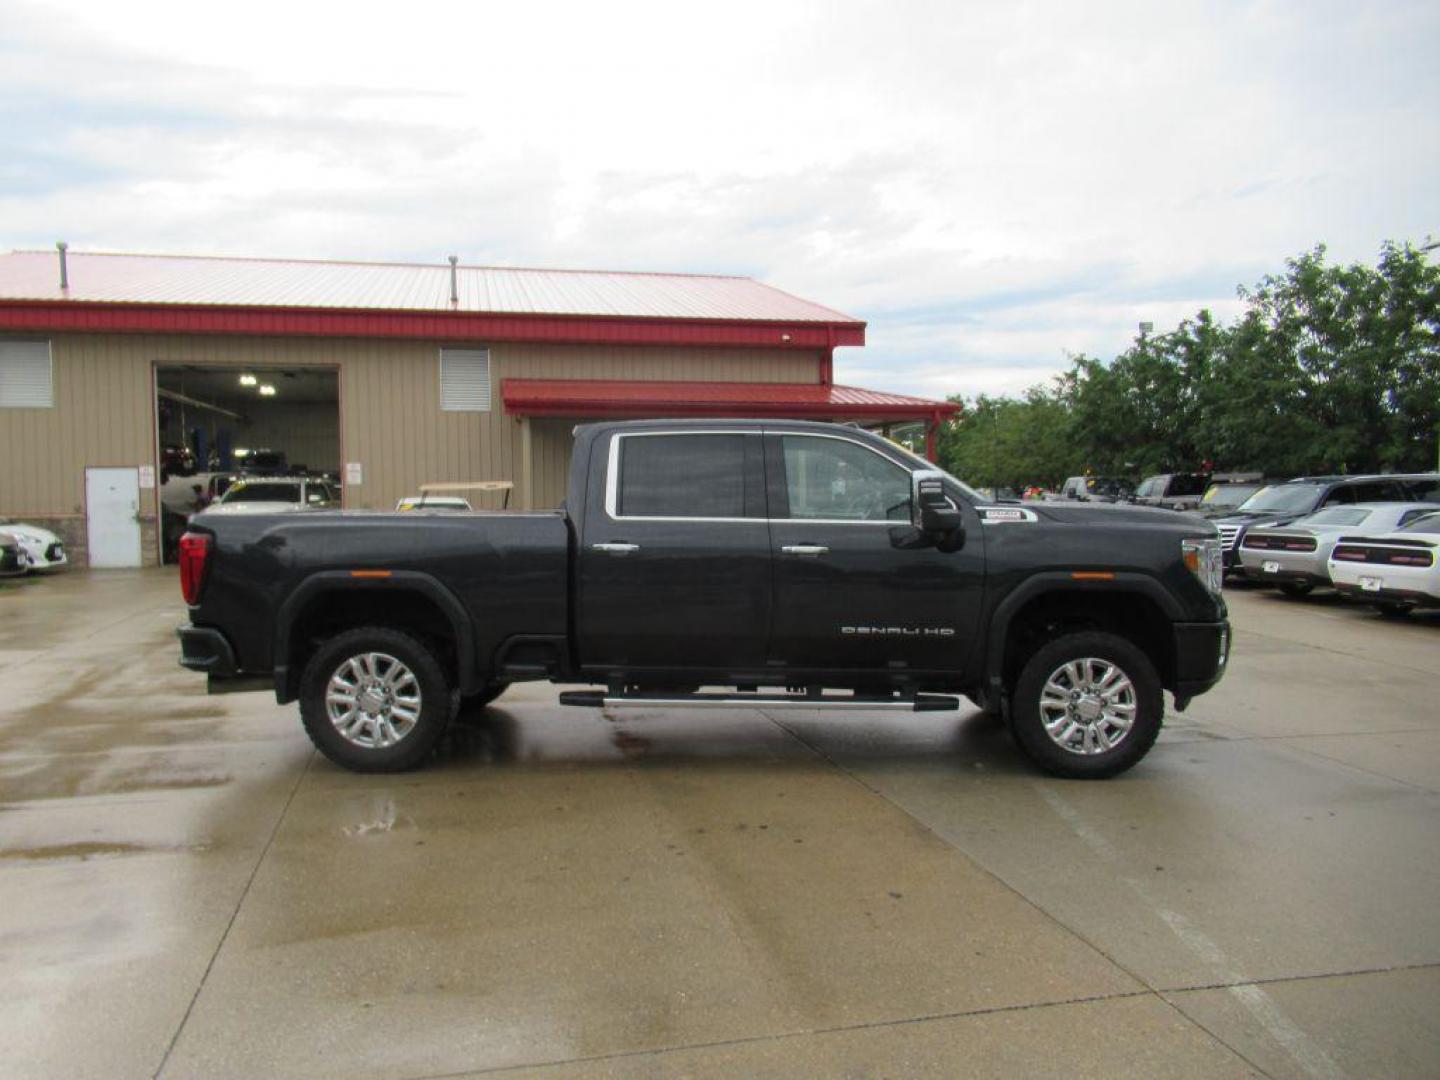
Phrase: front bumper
(48, 556)
(1202, 652)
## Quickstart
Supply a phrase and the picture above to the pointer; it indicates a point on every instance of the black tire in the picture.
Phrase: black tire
(1296, 589)
(1393, 609)
(436, 706)
(1146, 696)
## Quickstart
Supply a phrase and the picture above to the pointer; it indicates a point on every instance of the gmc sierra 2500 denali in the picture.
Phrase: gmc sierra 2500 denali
(777, 564)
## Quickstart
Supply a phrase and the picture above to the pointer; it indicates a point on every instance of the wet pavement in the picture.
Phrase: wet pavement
(186, 889)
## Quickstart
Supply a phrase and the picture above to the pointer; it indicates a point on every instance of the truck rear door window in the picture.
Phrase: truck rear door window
(683, 476)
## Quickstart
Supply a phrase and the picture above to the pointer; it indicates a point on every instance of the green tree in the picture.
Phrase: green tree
(1328, 368)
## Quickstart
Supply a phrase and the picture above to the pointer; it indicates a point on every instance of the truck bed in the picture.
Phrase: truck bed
(489, 562)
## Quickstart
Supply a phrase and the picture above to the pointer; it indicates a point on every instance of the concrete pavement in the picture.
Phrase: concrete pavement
(186, 889)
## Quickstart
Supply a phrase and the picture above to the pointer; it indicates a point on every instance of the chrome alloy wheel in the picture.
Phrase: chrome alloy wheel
(1088, 705)
(373, 700)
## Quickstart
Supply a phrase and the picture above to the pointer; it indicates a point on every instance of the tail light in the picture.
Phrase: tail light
(194, 561)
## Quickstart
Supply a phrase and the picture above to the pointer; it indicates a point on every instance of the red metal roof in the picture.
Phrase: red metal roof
(350, 286)
(582, 398)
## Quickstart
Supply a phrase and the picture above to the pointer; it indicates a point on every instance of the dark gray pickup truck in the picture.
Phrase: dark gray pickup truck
(696, 563)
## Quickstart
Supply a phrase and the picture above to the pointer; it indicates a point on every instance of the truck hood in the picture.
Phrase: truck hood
(1265, 517)
(1123, 514)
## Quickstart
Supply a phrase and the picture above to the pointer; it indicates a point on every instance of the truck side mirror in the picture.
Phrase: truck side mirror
(933, 511)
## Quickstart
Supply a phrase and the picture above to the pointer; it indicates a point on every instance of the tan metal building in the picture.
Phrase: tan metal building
(437, 374)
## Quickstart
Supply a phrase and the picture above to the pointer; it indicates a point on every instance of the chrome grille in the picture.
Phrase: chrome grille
(1228, 533)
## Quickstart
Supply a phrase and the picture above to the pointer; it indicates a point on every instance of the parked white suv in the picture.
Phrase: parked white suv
(271, 494)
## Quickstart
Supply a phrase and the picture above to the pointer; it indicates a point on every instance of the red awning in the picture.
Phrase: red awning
(587, 398)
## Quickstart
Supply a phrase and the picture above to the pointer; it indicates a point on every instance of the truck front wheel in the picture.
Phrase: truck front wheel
(1087, 705)
(375, 699)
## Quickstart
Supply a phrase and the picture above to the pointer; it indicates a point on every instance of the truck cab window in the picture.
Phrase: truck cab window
(836, 480)
(682, 476)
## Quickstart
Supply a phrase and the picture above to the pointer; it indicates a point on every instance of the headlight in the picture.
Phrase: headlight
(1205, 560)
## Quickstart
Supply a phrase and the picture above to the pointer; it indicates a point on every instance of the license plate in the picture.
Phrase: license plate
(1372, 584)
(1270, 566)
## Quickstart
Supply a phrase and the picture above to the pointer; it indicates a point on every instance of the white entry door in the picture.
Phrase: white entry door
(112, 516)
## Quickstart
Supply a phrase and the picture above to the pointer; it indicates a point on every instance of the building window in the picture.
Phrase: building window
(465, 380)
(26, 377)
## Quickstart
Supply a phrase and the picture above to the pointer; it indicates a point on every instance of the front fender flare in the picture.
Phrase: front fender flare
(1062, 581)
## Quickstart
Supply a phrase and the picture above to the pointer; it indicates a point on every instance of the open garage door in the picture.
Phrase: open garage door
(219, 424)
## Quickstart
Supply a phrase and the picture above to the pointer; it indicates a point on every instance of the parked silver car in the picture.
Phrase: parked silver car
(1295, 557)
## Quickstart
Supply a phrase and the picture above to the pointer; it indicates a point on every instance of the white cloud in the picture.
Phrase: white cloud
(992, 186)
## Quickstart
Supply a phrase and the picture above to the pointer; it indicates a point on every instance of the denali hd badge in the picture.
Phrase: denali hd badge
(899, 631)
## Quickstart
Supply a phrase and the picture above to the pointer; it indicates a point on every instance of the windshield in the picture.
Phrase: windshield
(1336, 515)
(1430, 523)
(1229, 494)
(1282, 498)
(1107, 485)
(276, 493)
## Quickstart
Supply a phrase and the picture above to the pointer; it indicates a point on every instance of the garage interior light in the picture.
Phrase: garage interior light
(267, 390)
(248, 380)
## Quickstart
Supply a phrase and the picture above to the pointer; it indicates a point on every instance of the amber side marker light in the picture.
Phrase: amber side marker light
(370, 573)
(1093, 575)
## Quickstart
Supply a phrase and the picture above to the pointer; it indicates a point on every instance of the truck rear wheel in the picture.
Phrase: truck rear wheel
(1087, 705)
(375, 699)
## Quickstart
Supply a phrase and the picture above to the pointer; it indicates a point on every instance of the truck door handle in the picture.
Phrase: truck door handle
(616, 549)
(806, 551)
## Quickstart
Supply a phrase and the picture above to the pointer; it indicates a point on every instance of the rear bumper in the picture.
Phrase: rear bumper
(1285, 574)
(203, 648)
(1308, 566)
(1202, 652)
(1403, 596)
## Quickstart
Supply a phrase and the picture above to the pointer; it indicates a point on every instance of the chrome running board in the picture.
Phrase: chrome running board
(600, 699)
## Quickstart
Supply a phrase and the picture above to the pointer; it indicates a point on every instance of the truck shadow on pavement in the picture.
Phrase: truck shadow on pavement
(523, 735)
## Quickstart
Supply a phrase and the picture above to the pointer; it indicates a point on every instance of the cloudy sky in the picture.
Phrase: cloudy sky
(993, 186)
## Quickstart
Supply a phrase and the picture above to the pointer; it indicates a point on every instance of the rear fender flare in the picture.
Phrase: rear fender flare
(399, 580)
